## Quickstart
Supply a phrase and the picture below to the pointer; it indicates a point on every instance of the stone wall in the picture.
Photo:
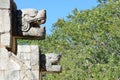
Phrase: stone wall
(5, 23)
(23, 62)
(24, 66)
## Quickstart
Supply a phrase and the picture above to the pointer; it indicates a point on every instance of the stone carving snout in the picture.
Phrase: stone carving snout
(50, 62)
(28, 22)
(32, 18)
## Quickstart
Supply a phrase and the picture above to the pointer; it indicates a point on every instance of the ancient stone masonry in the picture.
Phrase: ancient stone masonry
(5, 26)
(23, 62)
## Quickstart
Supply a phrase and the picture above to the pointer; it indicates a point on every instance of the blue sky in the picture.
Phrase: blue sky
(56, 8)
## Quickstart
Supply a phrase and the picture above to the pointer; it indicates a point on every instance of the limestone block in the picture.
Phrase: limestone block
(34, 56)
(28, 75)
(5, 39)
(12, 75)
(36, 74)
(5, 23)
(22, 74)
(24, 49)
(4, 59)
(4, 3)
(19, 49)
(29, 53)
(13, 65)
(27, 63)
(25, 56)
(0, 42)
(2, 75)
(54, 68)
(31, 76)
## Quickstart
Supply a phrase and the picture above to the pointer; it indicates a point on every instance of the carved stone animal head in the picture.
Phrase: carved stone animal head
(53, 58)
(26, 25)
(49, 62)
(27, 22)
(32, 17)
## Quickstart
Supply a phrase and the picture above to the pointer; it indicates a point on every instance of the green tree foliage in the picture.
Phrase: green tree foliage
(90, 44)
(106, 1)
(102, 1)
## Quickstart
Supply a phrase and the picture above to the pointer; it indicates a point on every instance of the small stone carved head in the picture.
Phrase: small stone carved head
(53, 58)
(27, 22)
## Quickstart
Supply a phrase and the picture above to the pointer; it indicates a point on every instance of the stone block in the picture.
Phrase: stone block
(5, 20)
(19, 49)
(14, 65)
(12, 75)
(25, 75)
(54, 68)
(35, 67)
(4, 3)
(4, 59)
(0, 42)
(34, 57)
(22, 74)
(36, 74)
(29, 54)
(27, 63)
(25, 56)
(2, 75)
(24, 49)
(5, 39)
(34, 31)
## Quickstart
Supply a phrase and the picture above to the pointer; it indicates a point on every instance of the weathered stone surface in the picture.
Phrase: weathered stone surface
(27, 22)
(4, 3)
(24, 49)
(28, 61)
(2, 74)
(26, 56)
(28, 68)
(4, 59)
(5, 27)
(36, 74)
(13, 65)
(54, 68)
(30, 56)
(33, 16)
(25, 25)
(5, 39)
(34, 57)
(5, 20)
(6, 62)
(49, 62)
(12, 75)
(38, 32)
(14, 68)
